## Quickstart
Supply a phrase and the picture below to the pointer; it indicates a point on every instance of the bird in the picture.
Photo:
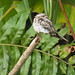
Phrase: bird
(42, 24)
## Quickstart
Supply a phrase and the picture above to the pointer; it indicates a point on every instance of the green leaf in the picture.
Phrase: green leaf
(19, 27)
(72, 60)
(27, 37)
(71, 2)
(1, 12)
(36, 5)
(63, 30)
(58, 26)
(26, 4)
(45, 64)
(3, 3)
(63, 67)
(7, 27)
(14, 28)
(16, 53)
(14, 56)
(45, 6)
(71, 71)
(55, 50)
(53, 66)
(25, 68)
(4, 61)
(19, 6)
(63, 52)
(55, 11)
(49, 43)
(36, 63)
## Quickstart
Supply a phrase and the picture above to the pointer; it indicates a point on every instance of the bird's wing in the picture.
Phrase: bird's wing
(43, 22)
(47, 24)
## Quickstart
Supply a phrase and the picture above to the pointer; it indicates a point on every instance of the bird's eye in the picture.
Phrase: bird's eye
(40, 19)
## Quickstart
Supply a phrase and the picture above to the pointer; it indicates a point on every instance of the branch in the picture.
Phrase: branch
(67, 19)
(25, 55)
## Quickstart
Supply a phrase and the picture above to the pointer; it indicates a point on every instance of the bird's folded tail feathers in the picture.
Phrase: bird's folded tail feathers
(61, 37)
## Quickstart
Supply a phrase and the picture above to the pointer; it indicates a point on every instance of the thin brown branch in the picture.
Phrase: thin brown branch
(25, 55)
(71, 29)
(3, 44)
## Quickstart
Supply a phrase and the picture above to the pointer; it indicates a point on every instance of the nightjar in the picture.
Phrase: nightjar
(42, 24)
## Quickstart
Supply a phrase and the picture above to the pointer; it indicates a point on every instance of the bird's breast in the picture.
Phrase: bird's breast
(39, 28)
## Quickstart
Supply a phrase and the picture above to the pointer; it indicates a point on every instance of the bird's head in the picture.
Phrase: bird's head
(41, 15)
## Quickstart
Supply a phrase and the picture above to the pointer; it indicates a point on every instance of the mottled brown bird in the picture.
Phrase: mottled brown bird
(42, 24)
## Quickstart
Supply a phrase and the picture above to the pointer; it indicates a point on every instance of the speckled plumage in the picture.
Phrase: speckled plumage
(42, 24)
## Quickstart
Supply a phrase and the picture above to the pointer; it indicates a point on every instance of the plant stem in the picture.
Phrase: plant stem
(67, 19)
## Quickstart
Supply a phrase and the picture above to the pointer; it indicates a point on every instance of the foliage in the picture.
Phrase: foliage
(48, 58)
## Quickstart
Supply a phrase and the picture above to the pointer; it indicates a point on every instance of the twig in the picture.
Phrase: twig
(38, 51)
(67, 19)
(25, 55)
(55, 57)
(3, 44)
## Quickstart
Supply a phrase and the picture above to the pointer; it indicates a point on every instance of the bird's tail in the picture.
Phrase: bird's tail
(61, 37)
